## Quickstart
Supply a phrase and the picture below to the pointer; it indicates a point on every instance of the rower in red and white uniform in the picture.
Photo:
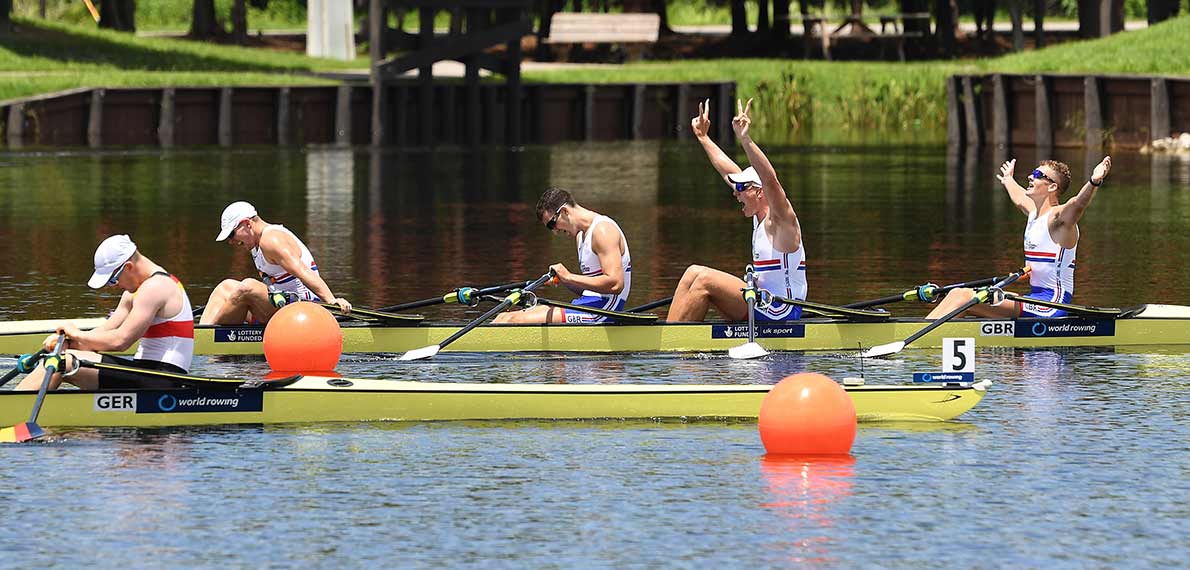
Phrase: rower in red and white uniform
(778, 253)
(285, 264)
(604, 262)
(154, 309)
(1051, 239)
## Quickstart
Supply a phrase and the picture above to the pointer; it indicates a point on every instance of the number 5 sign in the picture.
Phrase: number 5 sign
(958, 355)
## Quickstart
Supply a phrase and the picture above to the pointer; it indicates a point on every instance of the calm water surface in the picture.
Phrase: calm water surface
(1077, 458)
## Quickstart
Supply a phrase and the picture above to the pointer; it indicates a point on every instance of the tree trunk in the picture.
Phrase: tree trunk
(739, 18)
(762, 17)
(203, 23)
(112, 13)
(5, 16)
(239, 21)
(660, 8)
(781, 19)
(944, 25)
(1038, 23)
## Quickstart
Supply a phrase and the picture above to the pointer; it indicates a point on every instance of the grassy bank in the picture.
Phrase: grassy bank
(41, 57)
(887, 101)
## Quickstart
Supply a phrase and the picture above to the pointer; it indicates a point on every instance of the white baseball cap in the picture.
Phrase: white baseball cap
(233, 214)
(749, 175)
(109, 257)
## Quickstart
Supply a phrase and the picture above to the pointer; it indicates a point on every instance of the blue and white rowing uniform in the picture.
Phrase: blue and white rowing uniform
(779, 273)
(589, 264)
(277, 278)
(1052, 277)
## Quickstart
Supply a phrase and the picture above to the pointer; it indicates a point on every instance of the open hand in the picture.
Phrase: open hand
(1101, 170)
(1006, 171)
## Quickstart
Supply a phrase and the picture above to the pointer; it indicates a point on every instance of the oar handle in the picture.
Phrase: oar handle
(980, 296)
(910, 294)
(508, 301)
(453, 296)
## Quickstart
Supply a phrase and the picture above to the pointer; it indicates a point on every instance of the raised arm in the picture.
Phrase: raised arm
(1068, 214)
(1015, 192)
(780, 209)
(701, 126)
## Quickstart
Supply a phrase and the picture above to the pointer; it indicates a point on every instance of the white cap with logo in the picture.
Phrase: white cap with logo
(749, 175)
(112, 254)
(233, 214)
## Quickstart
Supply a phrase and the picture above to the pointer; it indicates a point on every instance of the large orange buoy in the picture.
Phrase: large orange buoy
(303, 337)
(807, 414)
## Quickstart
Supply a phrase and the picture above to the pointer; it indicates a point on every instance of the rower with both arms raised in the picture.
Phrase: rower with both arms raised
(1050, 241)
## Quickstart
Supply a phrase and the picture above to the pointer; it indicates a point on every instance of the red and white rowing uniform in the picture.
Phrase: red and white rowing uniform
(588, 262)
(1052, 277)
(779, 273)
(276, 277)
(170, 340)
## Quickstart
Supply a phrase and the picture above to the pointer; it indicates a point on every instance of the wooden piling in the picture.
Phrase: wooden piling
(343, 115)
(225, 126)
(95, 119)
(1043, 110)
(1093, 108)
(1000, 126)
(167, 117)
(1159, 115)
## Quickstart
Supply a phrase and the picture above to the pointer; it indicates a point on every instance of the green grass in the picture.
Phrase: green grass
(799, 101)
(42, 57)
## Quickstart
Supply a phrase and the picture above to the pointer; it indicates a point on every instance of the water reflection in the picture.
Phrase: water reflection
(803, 492)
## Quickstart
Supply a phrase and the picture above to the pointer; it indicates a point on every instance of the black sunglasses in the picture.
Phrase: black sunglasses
(1037, 173)
(553, 223)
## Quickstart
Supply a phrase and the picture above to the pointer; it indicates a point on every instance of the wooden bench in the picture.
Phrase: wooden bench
(633, 32)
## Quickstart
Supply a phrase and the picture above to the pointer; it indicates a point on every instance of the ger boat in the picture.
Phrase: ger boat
(197, 401)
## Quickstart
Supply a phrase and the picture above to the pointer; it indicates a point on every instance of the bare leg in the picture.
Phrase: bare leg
(956, 298)
(232, 301)
(704, 287)
(536, 315)
(86, 378)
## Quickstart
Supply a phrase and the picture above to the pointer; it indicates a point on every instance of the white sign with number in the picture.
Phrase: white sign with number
(958, 355)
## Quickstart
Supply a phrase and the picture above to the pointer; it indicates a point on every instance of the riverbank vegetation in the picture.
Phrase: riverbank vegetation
(798, 101)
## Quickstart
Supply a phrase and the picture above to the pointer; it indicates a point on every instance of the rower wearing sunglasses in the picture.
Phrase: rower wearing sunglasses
(778, 255)
(605, 265)
(154, 309)
(1051, 239)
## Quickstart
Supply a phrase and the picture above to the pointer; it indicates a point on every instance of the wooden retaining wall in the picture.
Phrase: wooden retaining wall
(186, 116)
(1065, 110)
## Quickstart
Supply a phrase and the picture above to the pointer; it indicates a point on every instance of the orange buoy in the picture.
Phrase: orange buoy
(303, 337)
(807, 414)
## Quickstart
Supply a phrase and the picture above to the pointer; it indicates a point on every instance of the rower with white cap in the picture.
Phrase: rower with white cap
(154, 309)
(286, 267)
(778, 255)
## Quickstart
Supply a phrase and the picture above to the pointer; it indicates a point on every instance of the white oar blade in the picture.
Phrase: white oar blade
(420, 353)
(883, 350)
(747, 351)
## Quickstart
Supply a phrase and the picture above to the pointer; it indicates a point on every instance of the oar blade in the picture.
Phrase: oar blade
(21, 433)
(747, 351)
(421, 353)
(883, 350)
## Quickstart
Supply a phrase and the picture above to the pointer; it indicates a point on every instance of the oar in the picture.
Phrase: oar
(510, 300)
(1080, 309)
(836, 312)
(650, 306)
(749, 349)
(462, 295)
(925, 293)
(980, 296)
(371, 315)
(29, 430)
(620, 316)
(25, 364)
